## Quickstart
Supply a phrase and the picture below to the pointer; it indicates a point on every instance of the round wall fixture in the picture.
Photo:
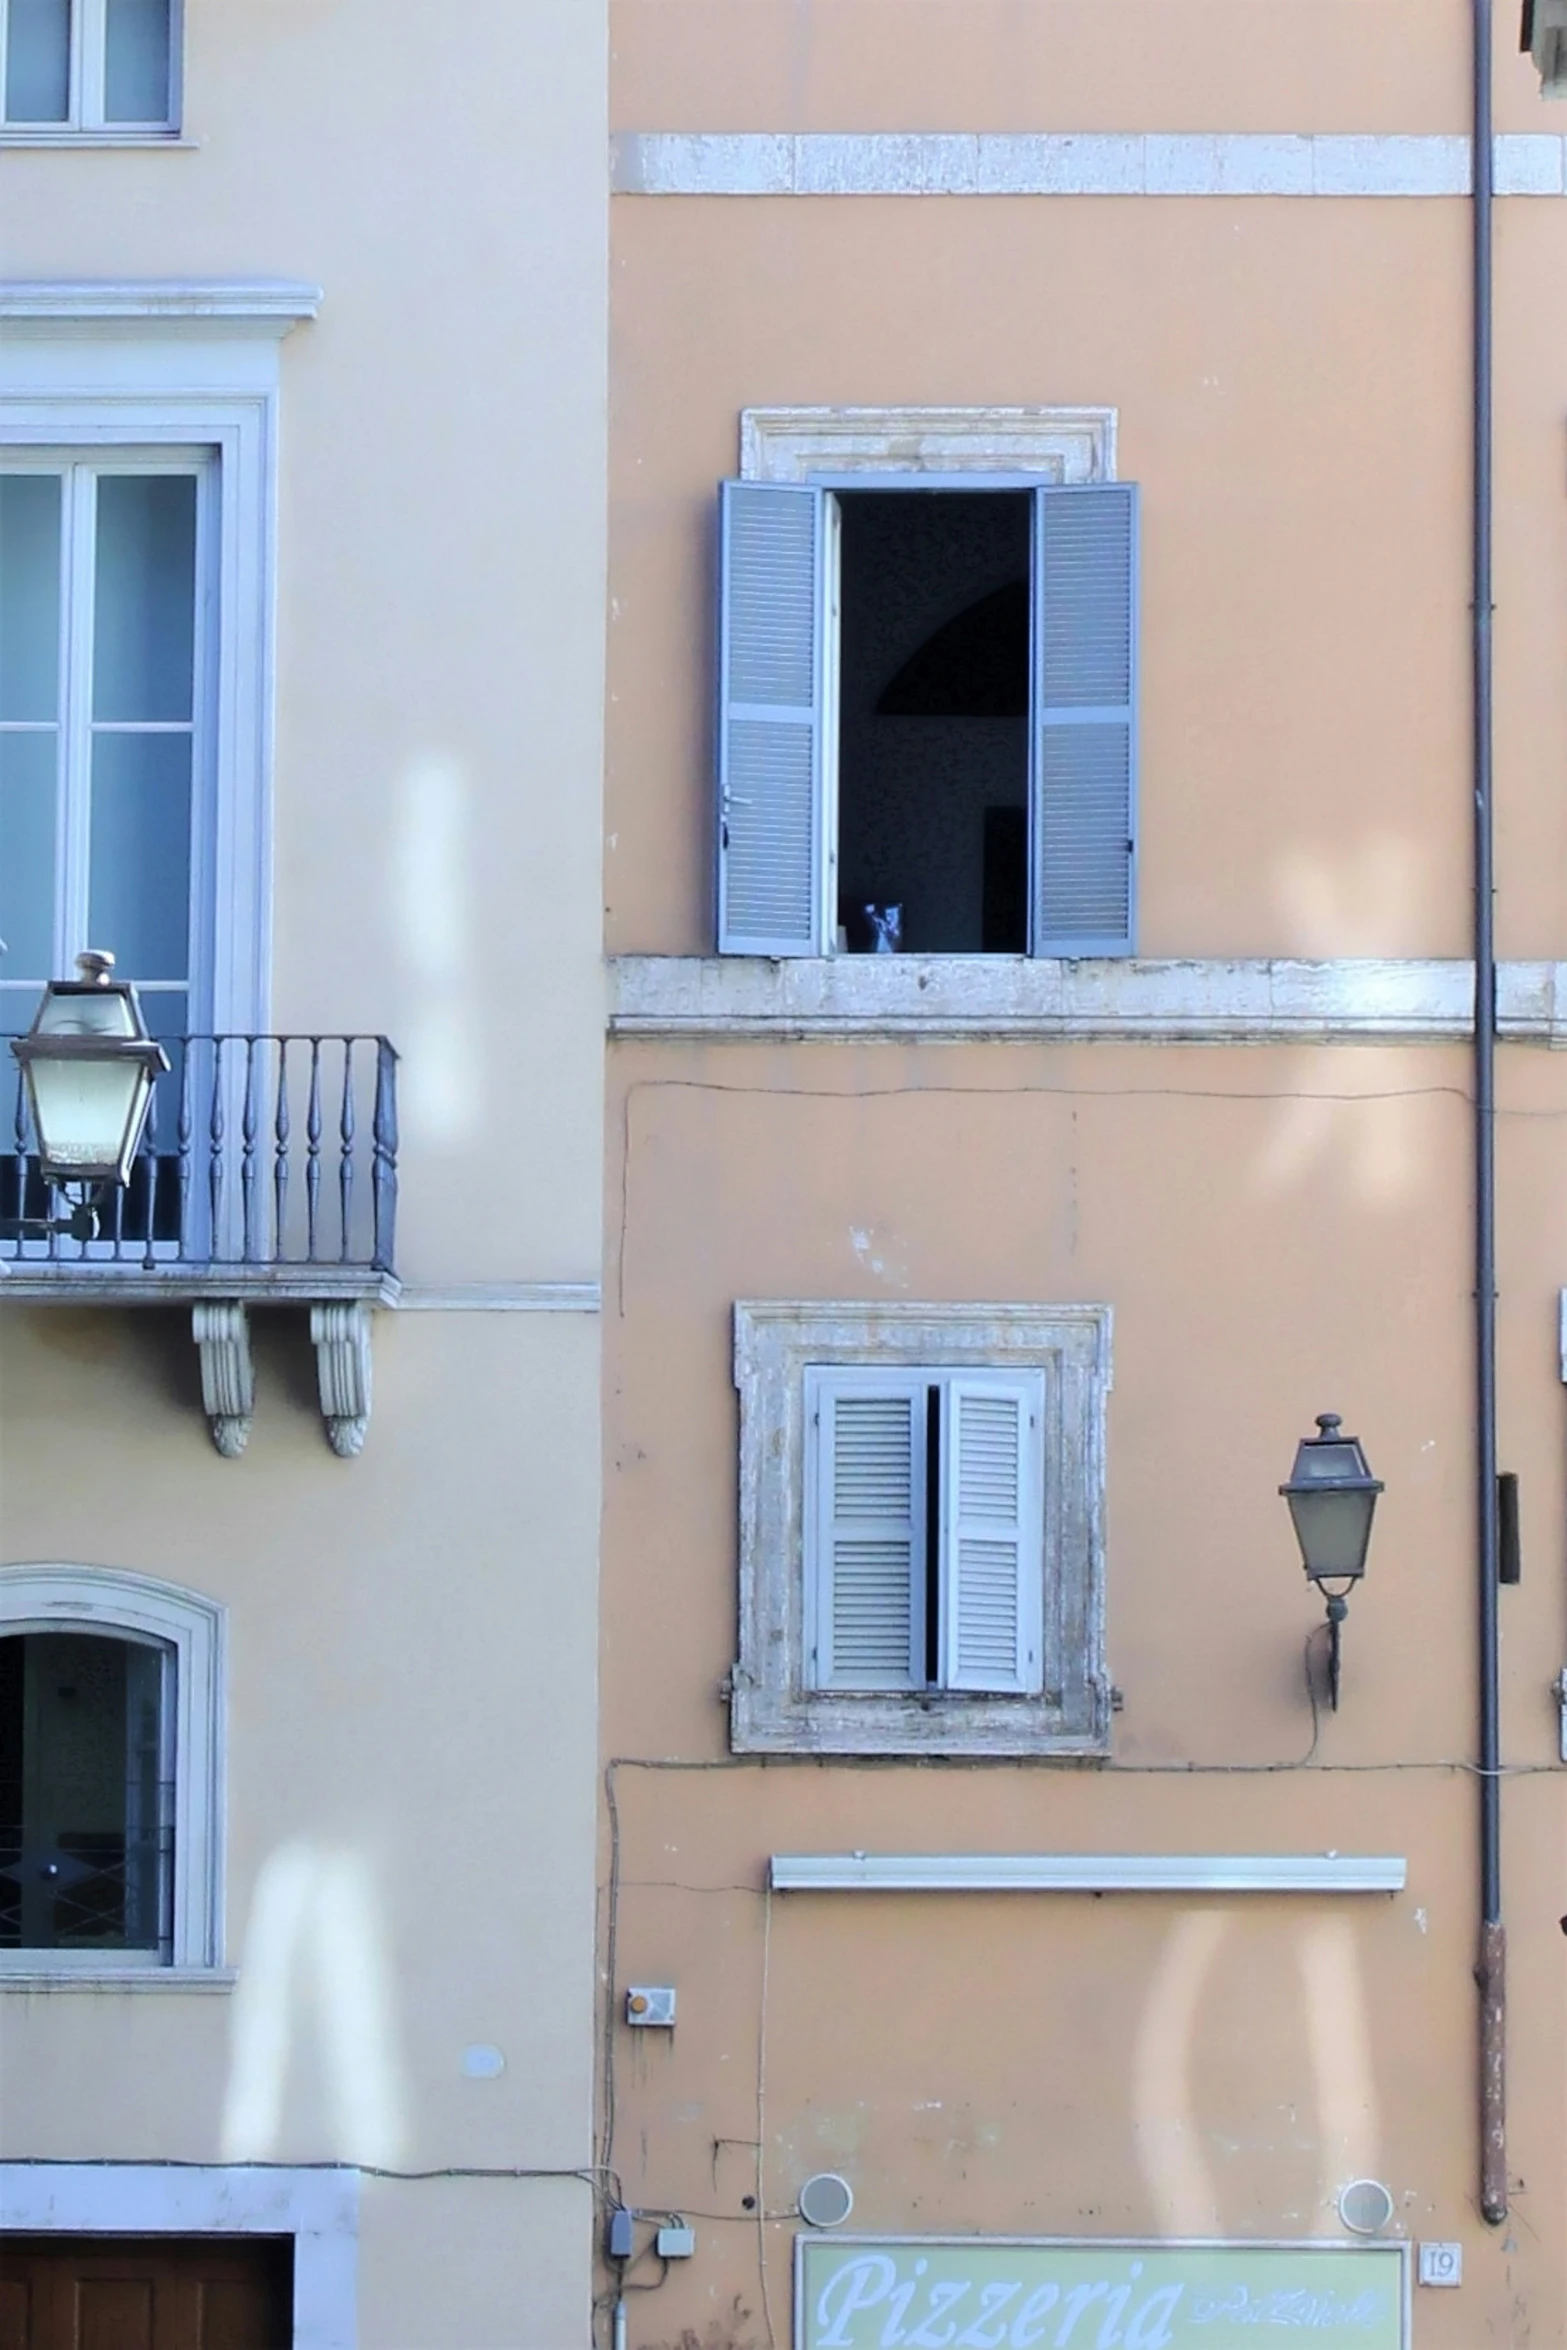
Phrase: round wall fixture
(826, 2200)
(1365, 2207)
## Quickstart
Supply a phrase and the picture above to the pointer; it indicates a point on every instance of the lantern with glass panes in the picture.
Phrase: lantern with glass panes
(1332, 1497)
(89, 1066)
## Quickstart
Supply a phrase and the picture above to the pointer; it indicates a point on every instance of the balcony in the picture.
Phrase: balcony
(266, 1175)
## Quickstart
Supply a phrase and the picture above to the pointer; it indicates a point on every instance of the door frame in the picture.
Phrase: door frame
(318, 2208)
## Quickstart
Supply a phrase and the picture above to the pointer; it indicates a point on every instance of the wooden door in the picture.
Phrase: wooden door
(146, 2292)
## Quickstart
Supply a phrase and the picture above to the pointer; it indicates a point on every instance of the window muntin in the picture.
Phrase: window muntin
(87, 1794)
(105, 725)
(88, 65)
(934, 1663)
(822, 813)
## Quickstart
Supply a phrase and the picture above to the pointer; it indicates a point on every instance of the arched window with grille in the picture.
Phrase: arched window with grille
(110, 1718)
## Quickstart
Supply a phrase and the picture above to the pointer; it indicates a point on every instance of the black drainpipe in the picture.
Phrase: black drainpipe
(1491, 1970)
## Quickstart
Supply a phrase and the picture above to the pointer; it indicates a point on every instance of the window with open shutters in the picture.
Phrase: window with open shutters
(921, 1528)
(928, 718)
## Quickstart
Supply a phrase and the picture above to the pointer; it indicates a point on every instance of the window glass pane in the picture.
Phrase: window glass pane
(138, 882)
(38, 60)
(145, 596)
(30, 595)
(86, 1841)
(136, 61)
(27, 800)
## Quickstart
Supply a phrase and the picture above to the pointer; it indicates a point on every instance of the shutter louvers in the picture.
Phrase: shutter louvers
(869, 1613)
(771, 720)
(1084, 752)
(992, 1630)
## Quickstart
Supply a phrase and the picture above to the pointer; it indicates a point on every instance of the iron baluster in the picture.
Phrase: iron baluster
(384, 1161)
(313, 1152)
(247, 1159)
(215, 1131)
(182, 1143)
(345, 1168)
(280, 1154)
(149, 1157)
(21, 1150)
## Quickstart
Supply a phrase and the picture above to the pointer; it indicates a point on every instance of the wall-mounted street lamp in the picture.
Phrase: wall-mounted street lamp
(1333, 1497)
(90, 1067)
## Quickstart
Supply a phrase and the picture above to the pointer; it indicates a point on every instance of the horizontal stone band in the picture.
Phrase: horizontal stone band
(1071, 163)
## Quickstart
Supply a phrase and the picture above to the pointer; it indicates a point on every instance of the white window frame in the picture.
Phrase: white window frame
(96, 368)
(75, 467)
(86, 123)
(774, 1709)
(117, 1604)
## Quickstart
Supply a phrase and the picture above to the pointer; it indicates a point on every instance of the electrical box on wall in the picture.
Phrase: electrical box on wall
(651, 2003)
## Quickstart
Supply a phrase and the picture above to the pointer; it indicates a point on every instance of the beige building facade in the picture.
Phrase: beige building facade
(302, 396)
(1089, 622)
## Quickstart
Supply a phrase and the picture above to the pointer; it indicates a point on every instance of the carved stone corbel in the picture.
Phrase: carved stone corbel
(228, 1380)
(341, 1337)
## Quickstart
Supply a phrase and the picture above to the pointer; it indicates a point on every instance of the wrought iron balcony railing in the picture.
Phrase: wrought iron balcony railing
(268, 1163)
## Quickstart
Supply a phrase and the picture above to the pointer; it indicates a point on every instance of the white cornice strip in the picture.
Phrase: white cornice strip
(932, 997)
(1070, 163)
(1086, 1872)
(279, 299)
(500, 1297)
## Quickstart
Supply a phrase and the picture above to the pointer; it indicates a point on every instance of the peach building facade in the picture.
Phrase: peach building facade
(1090, 624)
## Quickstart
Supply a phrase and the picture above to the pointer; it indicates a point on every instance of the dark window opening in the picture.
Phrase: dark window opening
(86, 1800)
(933, 730)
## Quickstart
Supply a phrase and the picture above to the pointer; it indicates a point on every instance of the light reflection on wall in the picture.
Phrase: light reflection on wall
(442, 1016)
(1167, 2130)
(1373, 1150)
(1171, 2131)
(315, 1991)
(1338, 2033)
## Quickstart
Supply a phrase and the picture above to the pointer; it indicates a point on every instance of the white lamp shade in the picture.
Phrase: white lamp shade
(1333, 1529)
(88, 1115)
(90, 1068)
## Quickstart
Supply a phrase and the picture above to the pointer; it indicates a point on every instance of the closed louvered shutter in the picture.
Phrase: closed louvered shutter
(867, 1623)
(1084, 753)
(993, 1536)
(774, 738)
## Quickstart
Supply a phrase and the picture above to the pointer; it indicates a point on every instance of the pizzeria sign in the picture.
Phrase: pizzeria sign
(1001, 2293)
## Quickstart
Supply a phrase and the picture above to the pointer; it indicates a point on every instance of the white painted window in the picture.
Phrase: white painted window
(921, 1528)
(110, 1774)
(107, 644)
(93, 67)
(138, 439)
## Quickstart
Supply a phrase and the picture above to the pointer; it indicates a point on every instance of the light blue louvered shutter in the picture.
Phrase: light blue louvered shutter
(1083, 853)
(992, 1568)
(865, 1615)
(777, 552)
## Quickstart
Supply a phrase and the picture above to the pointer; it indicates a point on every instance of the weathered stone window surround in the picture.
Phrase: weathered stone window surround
(772, 1711)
